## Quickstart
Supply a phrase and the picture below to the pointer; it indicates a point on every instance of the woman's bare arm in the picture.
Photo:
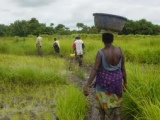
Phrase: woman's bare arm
(92, 74)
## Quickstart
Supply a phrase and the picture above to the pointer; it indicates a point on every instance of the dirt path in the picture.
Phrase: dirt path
(93, 112)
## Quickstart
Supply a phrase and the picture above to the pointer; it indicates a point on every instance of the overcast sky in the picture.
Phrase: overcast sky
(69, 12)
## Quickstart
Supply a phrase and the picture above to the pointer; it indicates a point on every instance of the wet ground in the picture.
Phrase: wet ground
(93, 113)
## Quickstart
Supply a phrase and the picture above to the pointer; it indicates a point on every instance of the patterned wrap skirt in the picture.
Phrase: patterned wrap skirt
(112, 97)
(111, 80)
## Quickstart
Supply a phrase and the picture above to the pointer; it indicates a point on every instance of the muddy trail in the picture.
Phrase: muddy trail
(93, 113)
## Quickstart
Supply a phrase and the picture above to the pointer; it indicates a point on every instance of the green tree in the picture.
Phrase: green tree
(49, 30)
(51, 24)
(144, 27)
(19, 28)
(85, 29)
(129, 28)
(93, 30)
(140, 27)
(4, 30)
(80, 25)
(156, 29)
(62, 29)
(34, 26)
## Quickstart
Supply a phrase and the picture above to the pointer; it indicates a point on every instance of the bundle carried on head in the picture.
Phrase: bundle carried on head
(109, 22)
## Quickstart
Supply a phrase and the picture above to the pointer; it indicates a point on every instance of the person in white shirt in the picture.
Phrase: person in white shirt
(56, 45)
(79, 46)
(39, 45)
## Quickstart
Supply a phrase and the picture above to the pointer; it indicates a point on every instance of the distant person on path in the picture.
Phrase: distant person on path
(79, 46)
(39, 45)
(56, 46)
(109, 71)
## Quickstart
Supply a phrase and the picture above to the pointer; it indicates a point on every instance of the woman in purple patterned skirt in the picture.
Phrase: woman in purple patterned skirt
(110, 79)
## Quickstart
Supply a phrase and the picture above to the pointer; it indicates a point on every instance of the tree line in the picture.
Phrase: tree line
(33, 26)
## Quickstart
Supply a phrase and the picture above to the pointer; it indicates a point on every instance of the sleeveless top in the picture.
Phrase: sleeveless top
(105, 65)
(109, 77)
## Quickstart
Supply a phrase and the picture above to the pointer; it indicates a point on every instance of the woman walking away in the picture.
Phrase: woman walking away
(110, 73)
(56, 46)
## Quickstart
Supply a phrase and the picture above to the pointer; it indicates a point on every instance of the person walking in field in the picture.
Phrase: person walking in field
(56, 46)
(79, 46)
(39, 45)
(110, 79)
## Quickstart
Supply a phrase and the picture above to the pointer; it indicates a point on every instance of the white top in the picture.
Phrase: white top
(79, 49)
(39, 41)
(57, 43)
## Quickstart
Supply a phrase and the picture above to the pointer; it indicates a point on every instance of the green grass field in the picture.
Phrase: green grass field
(33, 87)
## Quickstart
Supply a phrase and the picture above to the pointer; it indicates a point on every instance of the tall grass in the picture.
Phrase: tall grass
(33, 88)
(151, 110)
(141, 49)
(138, 48)
(142, 97)
(27, 86)
(32, 70)
(71, 103)
(28, 81)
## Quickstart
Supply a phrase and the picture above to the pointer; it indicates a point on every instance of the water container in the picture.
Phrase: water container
(109, 22)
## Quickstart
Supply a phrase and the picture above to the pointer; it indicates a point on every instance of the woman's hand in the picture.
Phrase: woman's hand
(124, 87)
(86, 90)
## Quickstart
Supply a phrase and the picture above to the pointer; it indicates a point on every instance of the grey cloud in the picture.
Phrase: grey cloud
(34, 3)
(69, 12)
(5, 10)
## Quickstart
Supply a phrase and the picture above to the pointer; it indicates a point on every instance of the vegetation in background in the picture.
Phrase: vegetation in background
(24, 28)
(33, 87)
(142, 27)
(137, 48)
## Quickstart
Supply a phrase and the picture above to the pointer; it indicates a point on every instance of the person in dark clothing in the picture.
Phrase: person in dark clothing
(56, 46)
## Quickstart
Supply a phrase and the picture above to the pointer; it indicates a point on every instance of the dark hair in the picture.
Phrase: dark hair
(55, 39)
(107, 38)
(78, 37)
